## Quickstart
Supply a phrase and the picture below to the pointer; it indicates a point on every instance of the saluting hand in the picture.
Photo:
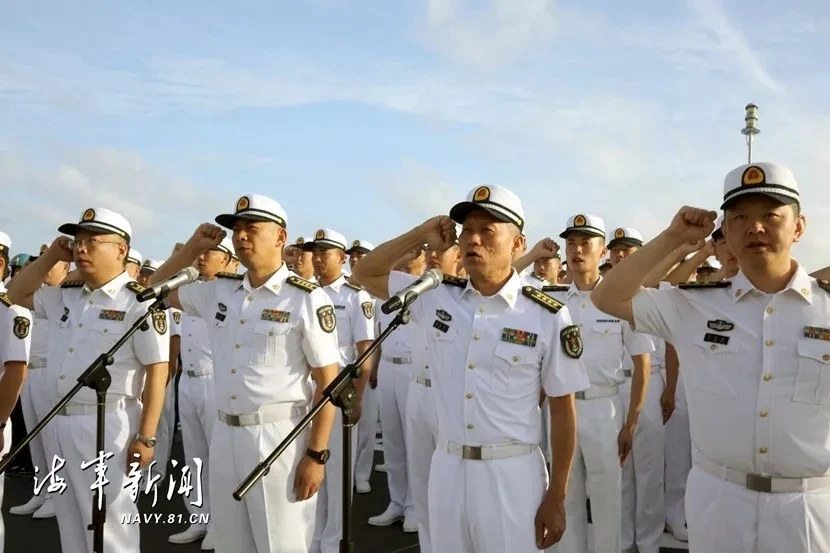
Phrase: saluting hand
(545, 248)
(207, 236)
(60, 249)
(692, 224)
(440, 233)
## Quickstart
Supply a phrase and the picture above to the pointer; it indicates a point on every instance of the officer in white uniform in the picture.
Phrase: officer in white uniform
(421, 420)
(197, 405)
(643, 490)
(367, 426)
(355, 312)
(606, 423)
(134, 262)
(274, 351)
(302, 265)
(489, 481)
(753, 350)
(34, 400)
(86, 318)
(15, 344)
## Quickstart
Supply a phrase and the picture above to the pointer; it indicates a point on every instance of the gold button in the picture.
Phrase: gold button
(63, 376)
(770, 309)
(767, 377)
(91, 302)
(233, 371)
(476, 337)
(763, 413)
(233, 396)
(250, 298)
(762, 450)
(242, 322)
(71, 350)
(481, 309)
(471, 366)
(769, 343)
(106, 330)
(469, 396)
(805, 291)
(80, 325)
(713, 347)
(583, 306)
(237, 346)
(825, 357)
(469, 427)
(515, 358)
(606, 331)
(271, 333)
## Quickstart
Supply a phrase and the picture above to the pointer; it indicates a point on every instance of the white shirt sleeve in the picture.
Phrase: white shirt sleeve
(319, 338)
(152, 343)
(563, 371)
(175, 322)
(15, 334)
(656, 312)
(363, 317)
(399, 280)
(635, 342)
(196, 298)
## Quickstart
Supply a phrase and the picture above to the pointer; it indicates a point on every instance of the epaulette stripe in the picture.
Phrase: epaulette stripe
(301, 283)
(542, 299)
(697, 285)
(353, 287)
(135, 287)
(555, 288)
(234, 276)
(824, 285)
(4, 299)
(72, 284)
(454, 281)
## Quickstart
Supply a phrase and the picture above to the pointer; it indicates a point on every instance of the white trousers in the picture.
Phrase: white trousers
(75, 442)
(328, 525)
(727, 518)
(367, 428)
(596, 475)
(678, 458)
(166, 428)
(643, 493)
(269, 519)
(485, 506)
(197, 412)
(393, 382)
(421, 437)
(7, 445)
(34, 391)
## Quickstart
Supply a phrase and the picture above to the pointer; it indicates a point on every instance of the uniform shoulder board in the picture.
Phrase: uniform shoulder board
(72, 284)
(542, 299)
(695, 285)
(353, 287)
(4, 299)
(301, 283)
(455, 281)
(234, 276)
(556, 288)
(135, 287)
(824, 285)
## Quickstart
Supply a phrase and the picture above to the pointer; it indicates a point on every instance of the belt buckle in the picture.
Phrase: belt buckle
(579, 395)
(471, 452)
(758, 483)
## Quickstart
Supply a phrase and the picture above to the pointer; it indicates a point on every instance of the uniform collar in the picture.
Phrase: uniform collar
(572, 289)
(511, 290)
(800, 285)
(111, 288)
(274, 284)
(336, 284)
(2, 286)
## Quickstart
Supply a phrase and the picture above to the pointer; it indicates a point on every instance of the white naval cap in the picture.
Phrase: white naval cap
(588, 224)
(718, 232)
(360, 246)
(626, 236)
(498, 201)
(762, 177)
(101, 221)
(226, 246)
(135, 257)
(254, 207)
(302, 240)
(151, 265)
(326, 238)
(5, 243)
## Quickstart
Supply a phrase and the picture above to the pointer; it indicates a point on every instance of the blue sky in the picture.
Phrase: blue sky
(370, 116)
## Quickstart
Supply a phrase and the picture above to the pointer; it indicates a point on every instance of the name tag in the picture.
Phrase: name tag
(440, 326)
(519, 337)
(816, 333)
(716, 338)
(275, 316)
(111, 315)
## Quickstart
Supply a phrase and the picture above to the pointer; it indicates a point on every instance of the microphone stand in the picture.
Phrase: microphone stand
(97, 377)
(341, 394)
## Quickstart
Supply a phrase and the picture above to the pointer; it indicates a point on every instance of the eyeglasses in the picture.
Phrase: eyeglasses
(89, 243)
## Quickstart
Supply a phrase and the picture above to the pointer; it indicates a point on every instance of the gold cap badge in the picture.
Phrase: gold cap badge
(242, 204)
(579, 221)
(619, 233)
(320, 234)
(356, 244)
(753, 176)
(482, 194)
(88, 215)
(300, 241)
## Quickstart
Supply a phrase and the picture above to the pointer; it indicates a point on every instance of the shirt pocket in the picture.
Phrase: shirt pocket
(269, 344)
(719, 370)
(812, 383)
(512, 364)
(606, 344)
(447, 351)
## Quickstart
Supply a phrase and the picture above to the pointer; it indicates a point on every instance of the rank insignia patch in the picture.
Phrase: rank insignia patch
(160, 322)
(111, 315)
(519, 337)
(817, 333)
(443, 315)
(222, 307)
(720, 325)
(326, 318)
(571, 341)
(368, 309)
(275, 316)
(21, 327)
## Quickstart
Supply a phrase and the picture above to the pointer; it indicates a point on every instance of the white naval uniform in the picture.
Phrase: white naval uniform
(487, 392)
(12, 349)
(756, 372)
(394, 377)
(197, 403)
(421, 431)
(167, 421)
(643, 490)
(596, 473)
(678, 452)
(355, 323)
(34, 400)
(534, 280)
(264, 341)
(367, 426)
(83, 324)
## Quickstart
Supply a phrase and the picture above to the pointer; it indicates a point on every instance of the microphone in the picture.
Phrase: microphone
(161, 289)
(428, 281)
